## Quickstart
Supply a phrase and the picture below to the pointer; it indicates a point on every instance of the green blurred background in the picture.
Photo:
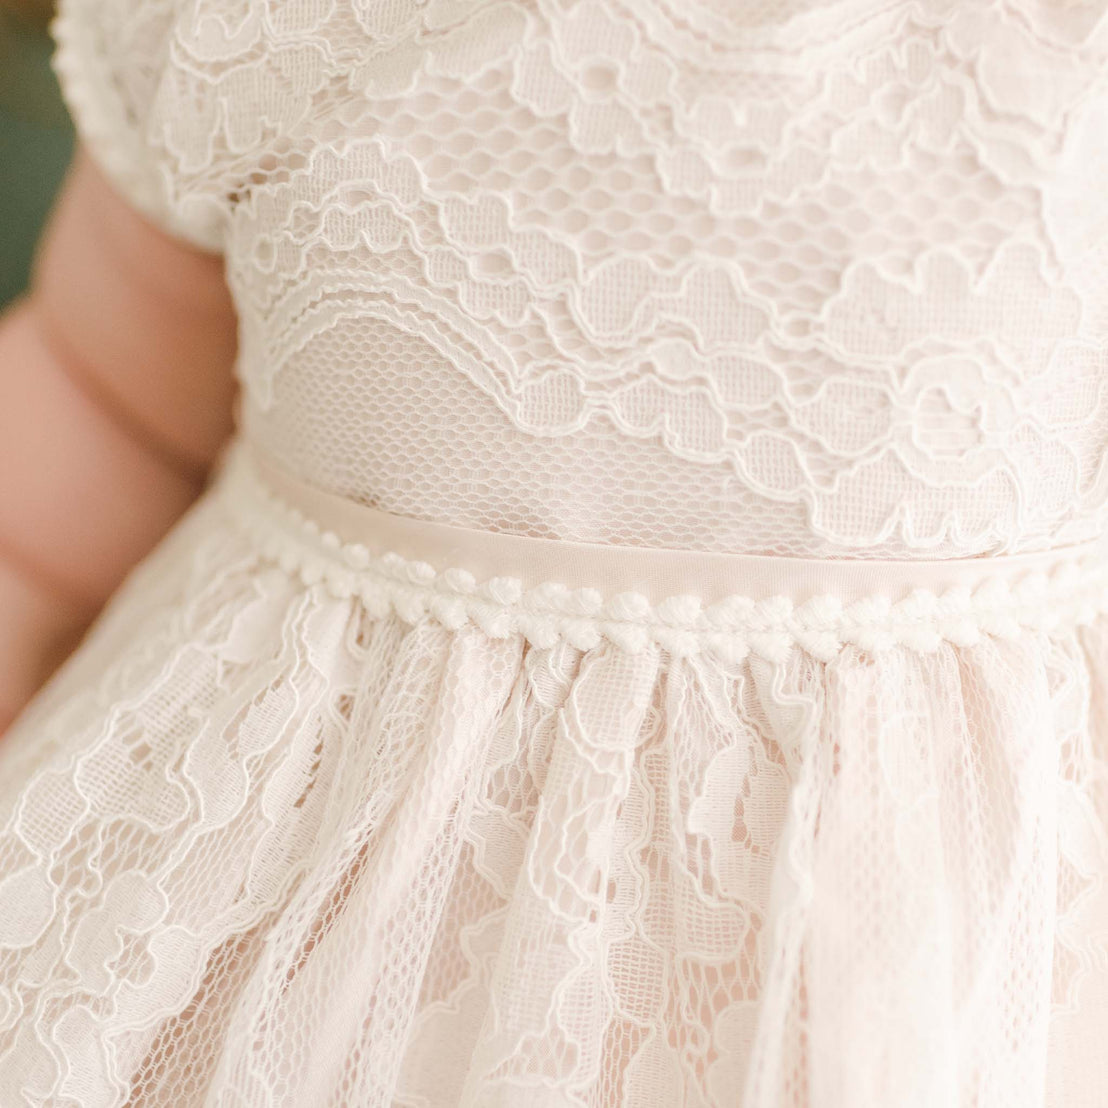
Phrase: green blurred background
(36, 139)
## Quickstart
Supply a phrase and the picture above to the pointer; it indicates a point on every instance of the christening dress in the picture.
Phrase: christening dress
(645, 645)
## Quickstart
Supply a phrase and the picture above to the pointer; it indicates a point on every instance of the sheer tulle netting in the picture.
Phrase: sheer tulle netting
(270, 848)
(794, 279)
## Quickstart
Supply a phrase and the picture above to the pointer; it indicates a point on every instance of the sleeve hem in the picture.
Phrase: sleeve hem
(117, 149)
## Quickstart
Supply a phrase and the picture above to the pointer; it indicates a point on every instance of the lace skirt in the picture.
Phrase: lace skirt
(333, 808)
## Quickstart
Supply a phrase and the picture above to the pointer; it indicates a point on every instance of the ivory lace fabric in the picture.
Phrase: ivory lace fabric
(749, 278)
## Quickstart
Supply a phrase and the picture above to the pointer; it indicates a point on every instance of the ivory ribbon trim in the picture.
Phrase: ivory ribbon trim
(682, 601)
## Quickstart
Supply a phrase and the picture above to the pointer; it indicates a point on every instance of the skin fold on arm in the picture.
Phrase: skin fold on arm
(116, 394)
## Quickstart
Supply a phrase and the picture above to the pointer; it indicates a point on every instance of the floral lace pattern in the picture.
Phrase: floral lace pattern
(266, 845)
(793, 278)
(773, 277)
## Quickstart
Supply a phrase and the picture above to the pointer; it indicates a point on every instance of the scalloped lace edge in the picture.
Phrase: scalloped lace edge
(119, 152)
(1072, 593)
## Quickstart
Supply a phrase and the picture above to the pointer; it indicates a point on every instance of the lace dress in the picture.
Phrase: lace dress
(645, 646)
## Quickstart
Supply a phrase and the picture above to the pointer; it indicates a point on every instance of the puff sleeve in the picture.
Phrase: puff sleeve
(128, 92)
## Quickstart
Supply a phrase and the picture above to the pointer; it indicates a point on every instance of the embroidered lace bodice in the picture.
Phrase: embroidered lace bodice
(792, 277)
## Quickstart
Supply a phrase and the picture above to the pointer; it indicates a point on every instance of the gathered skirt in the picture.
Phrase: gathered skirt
(337, 809)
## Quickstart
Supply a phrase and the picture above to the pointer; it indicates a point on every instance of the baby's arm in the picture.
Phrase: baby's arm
(116, 392)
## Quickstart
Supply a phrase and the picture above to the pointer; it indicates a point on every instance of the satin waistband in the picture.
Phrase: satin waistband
(654, 571)
(735, 602)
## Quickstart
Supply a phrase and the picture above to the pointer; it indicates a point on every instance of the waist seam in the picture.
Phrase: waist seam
(730, 605)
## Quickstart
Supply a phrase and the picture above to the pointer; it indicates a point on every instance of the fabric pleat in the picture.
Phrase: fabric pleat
(263, 846)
